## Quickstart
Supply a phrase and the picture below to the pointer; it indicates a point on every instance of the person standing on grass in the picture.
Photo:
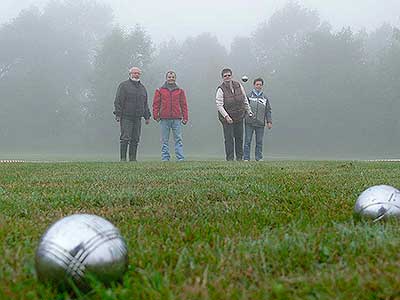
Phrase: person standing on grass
(171, 110)
(130, 106)
(232, 105)
(261, 118)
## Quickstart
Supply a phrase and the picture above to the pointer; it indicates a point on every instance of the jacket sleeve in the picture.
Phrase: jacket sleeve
(147, 113)
(245, 100)
(156, 104)
(119, 101)
(183, 105)
(268, 112)
(219, 100)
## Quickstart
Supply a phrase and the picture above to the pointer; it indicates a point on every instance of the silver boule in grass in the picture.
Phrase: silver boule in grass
(80, 246)
(378, 202)
(245, 78)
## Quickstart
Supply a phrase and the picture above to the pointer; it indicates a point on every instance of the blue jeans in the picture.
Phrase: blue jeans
(249, 129)
(166, 126)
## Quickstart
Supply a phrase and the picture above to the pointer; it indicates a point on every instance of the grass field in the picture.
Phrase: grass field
(210, 230)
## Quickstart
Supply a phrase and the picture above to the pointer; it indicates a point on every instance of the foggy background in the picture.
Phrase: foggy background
(332, 73)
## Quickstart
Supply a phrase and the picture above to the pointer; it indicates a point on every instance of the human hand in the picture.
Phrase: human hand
(184, 122)
(269, 125)
(147, 122)
(229, 119)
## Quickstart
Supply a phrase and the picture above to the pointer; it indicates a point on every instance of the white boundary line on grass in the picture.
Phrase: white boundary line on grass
(32, 161)
(65, 161)
(384, 160)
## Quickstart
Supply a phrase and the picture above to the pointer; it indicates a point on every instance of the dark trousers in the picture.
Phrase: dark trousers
(233, 136)
(130, 135)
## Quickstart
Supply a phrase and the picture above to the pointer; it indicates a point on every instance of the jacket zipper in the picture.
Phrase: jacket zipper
(170, 95)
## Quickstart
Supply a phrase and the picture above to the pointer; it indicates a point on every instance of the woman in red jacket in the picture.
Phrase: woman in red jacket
(170, 109)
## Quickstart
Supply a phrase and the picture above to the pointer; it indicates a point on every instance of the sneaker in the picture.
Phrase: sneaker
(245, 160)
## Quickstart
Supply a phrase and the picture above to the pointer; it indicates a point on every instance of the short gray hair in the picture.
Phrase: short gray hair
(134, 68)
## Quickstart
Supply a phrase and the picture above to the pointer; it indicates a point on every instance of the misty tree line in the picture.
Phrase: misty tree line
(333, 93)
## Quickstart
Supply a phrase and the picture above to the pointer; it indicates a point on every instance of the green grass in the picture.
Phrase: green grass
(210, 230)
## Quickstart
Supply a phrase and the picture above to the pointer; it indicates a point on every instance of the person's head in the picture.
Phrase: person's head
(170, 76)
(226, 74)
(258, 84)
(134, 73)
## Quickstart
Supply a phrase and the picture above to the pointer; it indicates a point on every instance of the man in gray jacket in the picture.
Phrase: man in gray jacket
(130, 106)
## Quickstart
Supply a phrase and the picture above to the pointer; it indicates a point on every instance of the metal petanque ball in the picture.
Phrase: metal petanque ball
(245, 78)
(378, 202)
(79, 246)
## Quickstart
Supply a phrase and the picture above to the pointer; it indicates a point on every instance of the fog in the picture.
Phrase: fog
(332, 72)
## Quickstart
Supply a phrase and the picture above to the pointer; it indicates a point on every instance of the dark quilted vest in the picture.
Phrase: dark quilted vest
(233, 102)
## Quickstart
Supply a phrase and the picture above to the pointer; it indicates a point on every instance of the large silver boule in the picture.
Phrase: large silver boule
(79, 245)
(245, 78)
(378, 202)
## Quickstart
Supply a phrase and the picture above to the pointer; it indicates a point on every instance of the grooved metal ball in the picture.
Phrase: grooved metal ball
(245, 78)
(378, 202)
(79, 245)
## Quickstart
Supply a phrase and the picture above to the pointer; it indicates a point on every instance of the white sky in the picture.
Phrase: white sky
(164, 19)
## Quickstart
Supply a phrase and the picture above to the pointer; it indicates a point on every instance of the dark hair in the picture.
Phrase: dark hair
(226, 70)
(170, 72)
(258, 79)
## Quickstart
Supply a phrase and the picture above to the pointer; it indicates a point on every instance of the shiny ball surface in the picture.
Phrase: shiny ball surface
(78, 245)
(245, 78)
(378, 202)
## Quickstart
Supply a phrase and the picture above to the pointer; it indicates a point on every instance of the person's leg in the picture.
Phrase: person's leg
(177, 132)
(238, 135)
(123, 147)
(259, 142)
(247, 141)
(126, 129)
(228, 139)
(135, 137)
(165, 129)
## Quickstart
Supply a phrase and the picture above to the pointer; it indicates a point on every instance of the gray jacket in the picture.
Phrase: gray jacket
(261, 109)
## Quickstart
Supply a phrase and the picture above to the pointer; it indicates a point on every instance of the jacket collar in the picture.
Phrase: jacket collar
(256, 93)
(170, 87)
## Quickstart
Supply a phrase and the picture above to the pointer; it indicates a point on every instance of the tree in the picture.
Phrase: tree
(203, 58)
(243, 57)
(45, 60)
(283, 35)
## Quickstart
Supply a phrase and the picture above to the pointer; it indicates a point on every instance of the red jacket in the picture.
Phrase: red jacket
(170, 104)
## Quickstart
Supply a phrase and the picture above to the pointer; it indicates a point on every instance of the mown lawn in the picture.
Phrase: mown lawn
(210, 230)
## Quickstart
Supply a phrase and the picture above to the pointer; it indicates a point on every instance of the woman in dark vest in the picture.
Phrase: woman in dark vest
(232, 106)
